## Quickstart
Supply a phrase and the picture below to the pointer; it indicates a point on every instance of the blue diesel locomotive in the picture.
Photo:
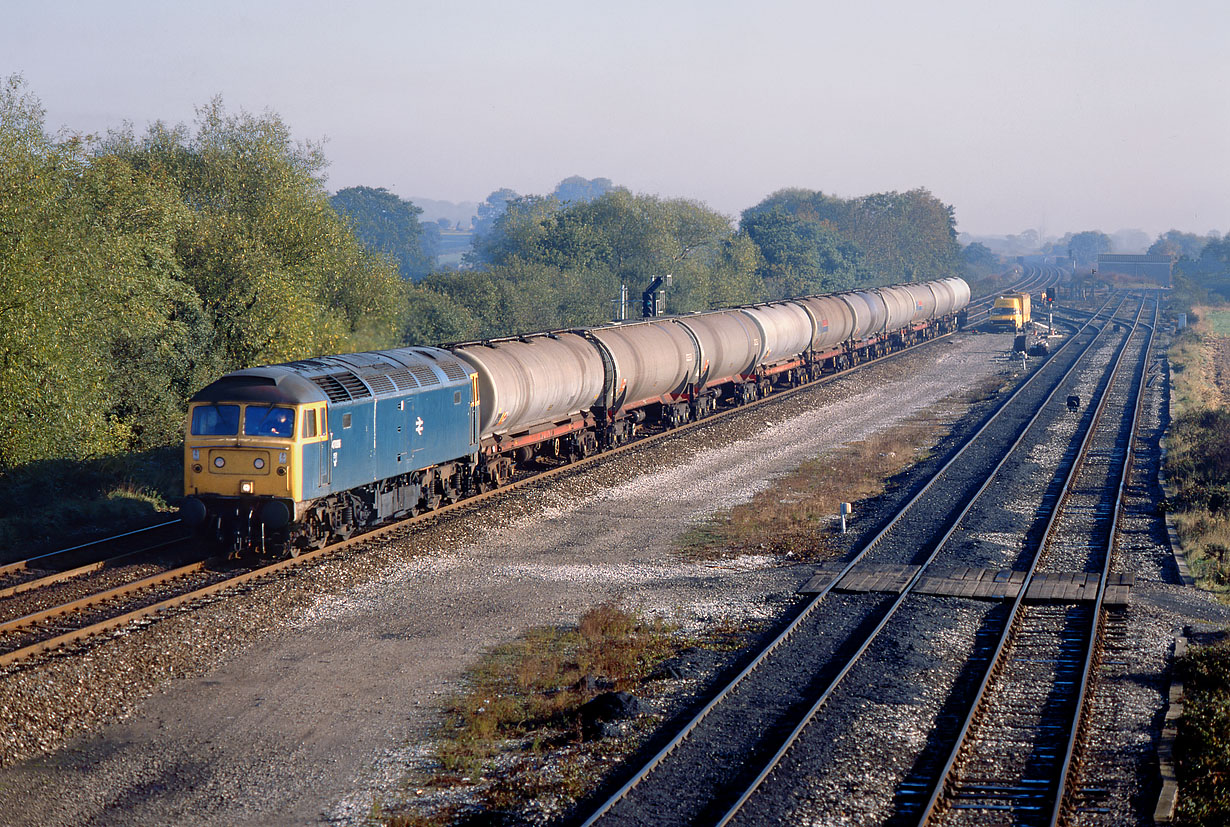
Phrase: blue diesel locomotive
(327, 445)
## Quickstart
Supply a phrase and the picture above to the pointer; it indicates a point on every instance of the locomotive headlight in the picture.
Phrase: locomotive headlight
(196, 468)
(245, 487)
(258, 463)
(219, 462)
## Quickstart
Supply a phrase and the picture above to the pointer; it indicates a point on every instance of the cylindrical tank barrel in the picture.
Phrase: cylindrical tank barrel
(870, 312)
(960, 291)
(900, 306)
(730, 344)
(834, 320)
(647, 360)
(785, 328)
(922, 301)
(533, 380)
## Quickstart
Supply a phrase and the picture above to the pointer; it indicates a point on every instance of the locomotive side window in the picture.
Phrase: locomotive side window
(215, 420)
(309, 423)
(346, 420)
(271, 421)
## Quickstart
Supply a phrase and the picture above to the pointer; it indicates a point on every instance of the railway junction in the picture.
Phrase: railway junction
(305, 698)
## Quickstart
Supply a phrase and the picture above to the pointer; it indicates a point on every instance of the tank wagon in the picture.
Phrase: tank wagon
(292, 456)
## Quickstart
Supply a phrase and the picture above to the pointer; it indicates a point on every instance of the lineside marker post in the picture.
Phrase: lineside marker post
(844, 510)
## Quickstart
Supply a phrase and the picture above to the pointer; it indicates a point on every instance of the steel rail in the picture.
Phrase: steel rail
(22, 565)
(899, 601)
(97, 598)
(1014, 613)
(1087, 670)
(88, 568)
(818, 598)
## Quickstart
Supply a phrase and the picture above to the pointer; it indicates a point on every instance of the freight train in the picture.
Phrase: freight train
(293, 456)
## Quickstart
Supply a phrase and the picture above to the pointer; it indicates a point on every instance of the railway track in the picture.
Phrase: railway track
(41, 611)
(720, 767)
(1014, 755)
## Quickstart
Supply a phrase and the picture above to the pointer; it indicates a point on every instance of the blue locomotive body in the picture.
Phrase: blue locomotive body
(368, 436)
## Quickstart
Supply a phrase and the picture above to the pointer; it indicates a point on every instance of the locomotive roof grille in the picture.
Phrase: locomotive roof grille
(342, 386)
(332, 388)
(402, 378)
(425, 375)
(379, 382)
(454, 370)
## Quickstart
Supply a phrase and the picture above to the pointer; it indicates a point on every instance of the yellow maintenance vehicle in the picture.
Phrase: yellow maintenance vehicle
(1011, 312)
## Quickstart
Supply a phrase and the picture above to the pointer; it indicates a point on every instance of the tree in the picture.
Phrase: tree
(907, 236)
(578, 190)
(802, 256)
(491, 209)
(275, 266)
(1178, 245)
(388, 225)
(1085, 247)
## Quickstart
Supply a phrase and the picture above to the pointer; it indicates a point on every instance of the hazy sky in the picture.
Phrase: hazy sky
(1104, 114)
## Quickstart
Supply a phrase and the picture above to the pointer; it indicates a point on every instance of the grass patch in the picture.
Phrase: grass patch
(1219, 321)
(1203, 746)
(54, 504)
(794, 517)
(521, 705)
(1198, 448)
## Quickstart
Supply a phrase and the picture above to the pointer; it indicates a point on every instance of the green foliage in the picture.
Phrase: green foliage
(491, 209)
(1210, 270)
(572, 258)
(578, 190)
(1203, 748)
(53, 295)
(1200, 458)
(803, 256)
(811, 238)
(1178, 245)
(274, 264)
(388, 225)
(133, 272)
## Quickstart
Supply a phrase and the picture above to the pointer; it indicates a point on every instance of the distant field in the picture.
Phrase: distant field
(1219, 322)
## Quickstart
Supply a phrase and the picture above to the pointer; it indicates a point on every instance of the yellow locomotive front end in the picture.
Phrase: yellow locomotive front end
(243, 455)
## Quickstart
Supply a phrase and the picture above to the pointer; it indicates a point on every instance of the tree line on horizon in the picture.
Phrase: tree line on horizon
(135, 269)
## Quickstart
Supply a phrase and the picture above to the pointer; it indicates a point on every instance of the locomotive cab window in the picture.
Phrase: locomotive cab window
(309, 423)
(215, 420)
(271, 421)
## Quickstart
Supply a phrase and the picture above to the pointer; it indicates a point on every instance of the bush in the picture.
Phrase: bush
(1203, 747)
